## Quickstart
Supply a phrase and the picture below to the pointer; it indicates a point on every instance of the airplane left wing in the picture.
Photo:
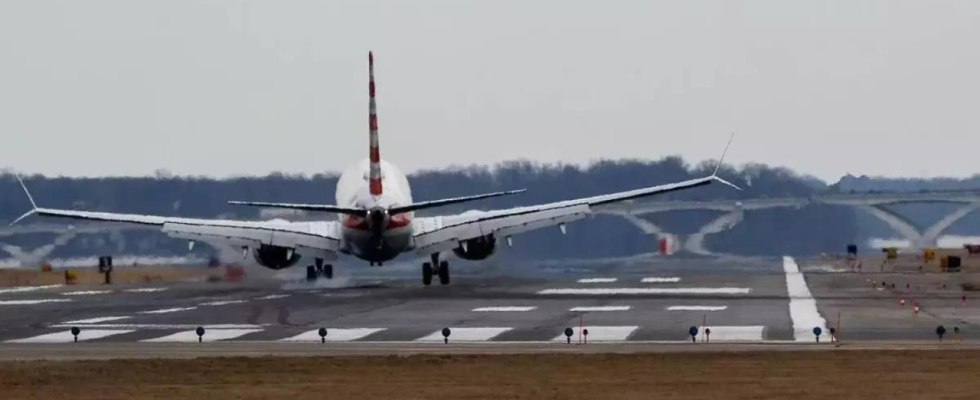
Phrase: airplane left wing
(322, 237)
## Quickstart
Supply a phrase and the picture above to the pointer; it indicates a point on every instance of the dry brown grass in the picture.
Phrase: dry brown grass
(753, 375)
(120, 275)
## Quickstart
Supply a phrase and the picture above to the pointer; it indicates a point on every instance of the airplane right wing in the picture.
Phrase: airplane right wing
(437, 234)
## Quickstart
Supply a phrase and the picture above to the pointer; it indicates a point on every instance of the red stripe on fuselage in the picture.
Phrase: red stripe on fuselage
(375, 155)
(375, 186)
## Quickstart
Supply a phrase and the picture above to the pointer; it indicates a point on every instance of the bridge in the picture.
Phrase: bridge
(733, 212)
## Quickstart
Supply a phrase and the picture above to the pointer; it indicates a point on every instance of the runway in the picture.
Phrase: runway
(626, 306)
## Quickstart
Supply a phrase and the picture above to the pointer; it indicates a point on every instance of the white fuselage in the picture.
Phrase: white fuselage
(364, 241)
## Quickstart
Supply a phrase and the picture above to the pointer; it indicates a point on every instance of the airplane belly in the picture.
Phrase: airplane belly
(394, 242)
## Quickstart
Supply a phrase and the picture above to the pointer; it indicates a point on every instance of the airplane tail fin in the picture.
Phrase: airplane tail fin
(375, 154)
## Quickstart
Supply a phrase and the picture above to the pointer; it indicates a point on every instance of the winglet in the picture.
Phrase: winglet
(714, 175)
(29, 197)
(722, 159)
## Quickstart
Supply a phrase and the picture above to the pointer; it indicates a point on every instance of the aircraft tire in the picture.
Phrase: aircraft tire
(426, 274)
(444, 273)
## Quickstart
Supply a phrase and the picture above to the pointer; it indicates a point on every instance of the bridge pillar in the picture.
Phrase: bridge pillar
(919, 239)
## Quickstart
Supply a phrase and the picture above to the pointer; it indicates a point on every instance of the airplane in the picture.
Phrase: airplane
(376, 219)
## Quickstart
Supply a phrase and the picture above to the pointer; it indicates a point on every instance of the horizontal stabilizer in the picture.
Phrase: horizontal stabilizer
(445, 202)
(303, 207)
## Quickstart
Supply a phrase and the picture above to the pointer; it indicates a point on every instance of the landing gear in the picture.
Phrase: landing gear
(426, 274)
(439, 268)
(319, 269)
(444, 273)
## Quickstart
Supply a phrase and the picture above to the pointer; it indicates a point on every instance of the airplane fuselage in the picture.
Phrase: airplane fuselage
(377, 237)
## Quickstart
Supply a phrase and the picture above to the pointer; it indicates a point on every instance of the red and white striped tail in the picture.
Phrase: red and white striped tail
(375, 175)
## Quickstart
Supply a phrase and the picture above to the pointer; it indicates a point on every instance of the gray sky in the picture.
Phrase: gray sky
(126, 87)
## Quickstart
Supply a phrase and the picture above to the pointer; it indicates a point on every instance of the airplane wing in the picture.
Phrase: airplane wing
(321, 238)
(436, 234)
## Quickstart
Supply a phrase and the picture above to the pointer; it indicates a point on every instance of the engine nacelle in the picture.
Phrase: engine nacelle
(275, 257)
(477, 249)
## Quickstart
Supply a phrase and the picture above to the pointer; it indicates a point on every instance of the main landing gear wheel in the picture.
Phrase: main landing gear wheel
(444, 273)
(426, 274)
(328, 271)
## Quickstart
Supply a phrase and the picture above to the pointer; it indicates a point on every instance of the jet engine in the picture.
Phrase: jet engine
(275, 257)
(477, 249)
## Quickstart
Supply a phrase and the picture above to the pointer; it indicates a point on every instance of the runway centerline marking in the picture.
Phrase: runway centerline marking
(598, 280)
(639, 291)
(697, 308)
(802, 306)
(505, 309)
(272, 297)
(67, 337)
(21, 289)
(168, 310)
(223, 302)
(464, 335)
(661, 279)
(145, 290)
(212, 335)
(86, 292)
(96, 320)
(599, 334)
(599, 308)
(334, 335)
(31, 302)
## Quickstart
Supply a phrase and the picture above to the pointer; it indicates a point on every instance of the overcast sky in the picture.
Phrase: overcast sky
(219, 88)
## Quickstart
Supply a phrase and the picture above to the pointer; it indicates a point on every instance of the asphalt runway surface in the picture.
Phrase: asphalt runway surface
(626, 306)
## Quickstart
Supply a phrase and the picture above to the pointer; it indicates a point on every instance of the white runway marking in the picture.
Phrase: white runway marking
(598, 280)
(661, 279)
(31, 302)
(210, 335)
(733, 333)
(146, 290)
(86, 292)
(168, 310)
(223, 302)
(600, 334)
(334, 335)
(504, 309)
(802, 306)
(272, 297)
(21, 289)
(697, 308)
(674, 291)
(600, 308)
(166, 326)
(67, 337)
(95, 320)
(465, 335)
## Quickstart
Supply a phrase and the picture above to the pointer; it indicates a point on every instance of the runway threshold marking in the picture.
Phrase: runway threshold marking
(505, 309)
(167, 326)
(464, 335)
(168, 310)
(599, 333)
(697, 308)
(599, 308)
(97, 320)
(334, 335)
(640, 291)
(732, 333)
(598, 280)
(67, 337)
(802, 306)
(31, 302)
(210, 335)
(661, 279)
